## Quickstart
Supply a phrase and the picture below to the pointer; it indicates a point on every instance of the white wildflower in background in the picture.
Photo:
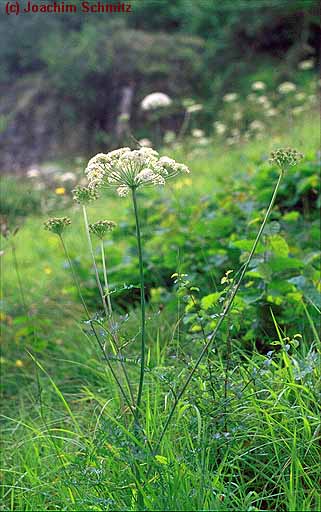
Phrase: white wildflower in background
(306, 64)
(197, 133)
(230, 97)
(300, 96)
(312, 98)
(231, 140)
(286, 87)
(67, 176)
(272, 112)
(258, 86)
(264, 101)
(203, 141)
(145, 143)
(237, 116)
(33, 173)
(155, 100)
(128, 169)
(297, 110)
(197, 107)
(257, 125)
(220, 128)
(169, 137)
(123, 118)
(235, 132)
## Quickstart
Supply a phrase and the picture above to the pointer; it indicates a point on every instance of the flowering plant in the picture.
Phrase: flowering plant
(129, 169)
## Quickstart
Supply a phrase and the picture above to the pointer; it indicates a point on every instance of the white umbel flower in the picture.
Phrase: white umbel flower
(230, 97)
(155, 100)
(257, 126)
(258, 86)
(272, 112)
(197, 133)
(145, 143)
(306, 64)
(220, 128)
(128, 169)
(286, 87)
(33, 173)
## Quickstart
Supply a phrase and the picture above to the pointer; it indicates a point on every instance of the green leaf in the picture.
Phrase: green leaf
(210, 300)
(279, 245)
(291, 216)
(282, 263)
(246, 245)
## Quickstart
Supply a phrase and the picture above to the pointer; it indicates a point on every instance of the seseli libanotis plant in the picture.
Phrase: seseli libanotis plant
(128, 170)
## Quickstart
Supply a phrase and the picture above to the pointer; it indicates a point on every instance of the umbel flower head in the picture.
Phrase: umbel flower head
(57, 224)
(101, 227)
(155, 100)
(285, 157)
(84, 195)
(129, 169)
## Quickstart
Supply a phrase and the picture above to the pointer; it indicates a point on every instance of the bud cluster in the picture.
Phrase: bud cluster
(285, 157)
(101, 227)
(57, 224)
(84, 195)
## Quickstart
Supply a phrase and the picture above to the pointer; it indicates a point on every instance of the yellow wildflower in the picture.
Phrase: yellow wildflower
(60, 191)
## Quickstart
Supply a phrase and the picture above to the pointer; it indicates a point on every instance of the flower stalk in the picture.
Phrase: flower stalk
(142, 302)
(103, 299)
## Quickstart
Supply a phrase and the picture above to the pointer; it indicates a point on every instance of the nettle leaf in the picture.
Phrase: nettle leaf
(210, 300)
(280, 288)
(278, 245)
(283, 263)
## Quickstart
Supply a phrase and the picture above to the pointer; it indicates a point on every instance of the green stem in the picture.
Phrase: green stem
(106, 279)
(221, 319)
(103, 300)
(142, 302)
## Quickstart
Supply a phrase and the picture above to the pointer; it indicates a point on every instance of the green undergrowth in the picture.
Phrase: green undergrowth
(246, 435)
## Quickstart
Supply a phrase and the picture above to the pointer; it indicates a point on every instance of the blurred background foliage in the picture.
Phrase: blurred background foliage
(62, 71)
